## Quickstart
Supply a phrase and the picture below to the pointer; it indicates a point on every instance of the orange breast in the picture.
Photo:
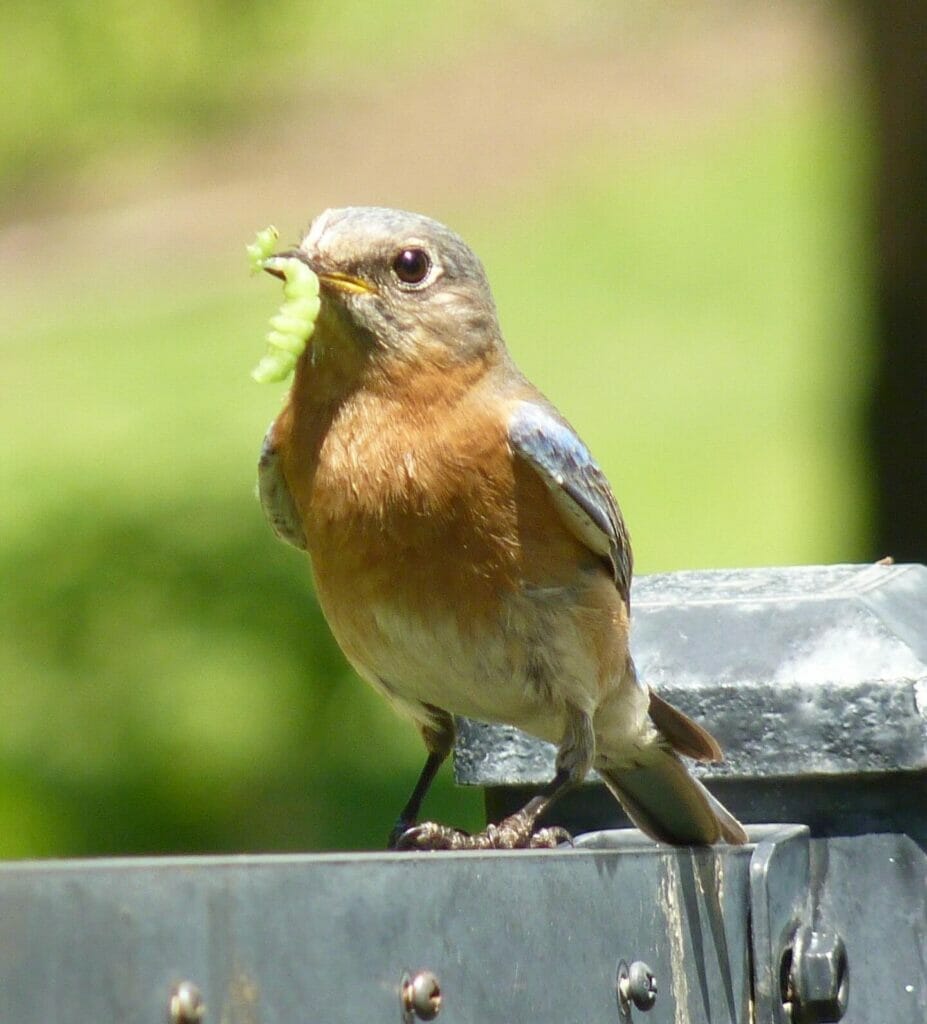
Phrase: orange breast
(420, 506)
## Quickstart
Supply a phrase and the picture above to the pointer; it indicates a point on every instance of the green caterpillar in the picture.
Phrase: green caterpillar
(292, 327)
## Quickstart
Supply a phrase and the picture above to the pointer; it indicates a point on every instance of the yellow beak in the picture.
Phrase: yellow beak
(335, 279)
(347, 283)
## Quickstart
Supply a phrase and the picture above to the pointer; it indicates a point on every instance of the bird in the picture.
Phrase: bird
(466, 548)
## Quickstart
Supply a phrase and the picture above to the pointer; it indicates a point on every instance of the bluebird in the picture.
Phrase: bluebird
(467, 550)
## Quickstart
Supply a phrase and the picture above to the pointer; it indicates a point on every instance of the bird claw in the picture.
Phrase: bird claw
(514, 833)
(550, 838)
(432, 836)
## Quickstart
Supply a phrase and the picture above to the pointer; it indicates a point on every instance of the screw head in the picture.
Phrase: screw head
(636, 984)
(186, 1005)
(421, 996)
(819, 978)
(642, 985)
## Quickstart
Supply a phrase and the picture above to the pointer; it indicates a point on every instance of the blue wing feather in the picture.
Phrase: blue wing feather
(276, 499)
(540, 436)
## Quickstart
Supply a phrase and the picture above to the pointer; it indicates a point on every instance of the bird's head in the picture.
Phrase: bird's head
(398, 286)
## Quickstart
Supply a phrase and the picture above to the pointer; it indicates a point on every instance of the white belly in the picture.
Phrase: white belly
(522, 670)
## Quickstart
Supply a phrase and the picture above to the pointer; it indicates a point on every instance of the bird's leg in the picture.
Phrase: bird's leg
(408, 816)
(518, 831)
(439, 739)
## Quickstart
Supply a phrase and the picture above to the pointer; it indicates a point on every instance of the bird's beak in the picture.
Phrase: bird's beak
(273, 271)
(346, 283)
(332, 279)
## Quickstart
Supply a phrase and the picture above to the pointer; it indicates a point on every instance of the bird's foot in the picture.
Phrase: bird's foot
(513, 833)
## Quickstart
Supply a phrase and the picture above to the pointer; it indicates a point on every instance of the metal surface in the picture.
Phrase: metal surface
(843, 805)
(531, 937)
(812, 670)
(872, 891)
(780, 897)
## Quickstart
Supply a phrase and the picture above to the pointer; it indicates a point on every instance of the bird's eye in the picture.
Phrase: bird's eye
(411, 266)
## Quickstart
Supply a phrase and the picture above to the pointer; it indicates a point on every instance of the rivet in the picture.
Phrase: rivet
(421, 996)
(186, 1005)
(635, 984)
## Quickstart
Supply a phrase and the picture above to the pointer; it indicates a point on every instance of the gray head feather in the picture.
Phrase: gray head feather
(449, 312)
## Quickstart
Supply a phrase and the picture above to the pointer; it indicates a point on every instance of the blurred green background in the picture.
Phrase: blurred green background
(671, 202)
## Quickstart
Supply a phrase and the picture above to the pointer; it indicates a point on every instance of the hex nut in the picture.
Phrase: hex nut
(819, 979)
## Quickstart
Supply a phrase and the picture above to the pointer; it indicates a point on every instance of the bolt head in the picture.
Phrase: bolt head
(186, 1005)
(642, 985)
(820, 977)
(635, 984)
(421, 995)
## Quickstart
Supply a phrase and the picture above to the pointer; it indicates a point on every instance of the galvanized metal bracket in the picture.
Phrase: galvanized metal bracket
(617, 930)
(780, 892)
(491, 937)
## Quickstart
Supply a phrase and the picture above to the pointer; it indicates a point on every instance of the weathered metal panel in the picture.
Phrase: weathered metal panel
(531, 936)
(872, 890)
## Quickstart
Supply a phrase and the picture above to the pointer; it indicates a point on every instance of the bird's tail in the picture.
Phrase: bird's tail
(670, 805)
(659, 794)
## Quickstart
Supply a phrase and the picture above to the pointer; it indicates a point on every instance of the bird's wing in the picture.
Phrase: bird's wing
(275, 496)
(580, 491)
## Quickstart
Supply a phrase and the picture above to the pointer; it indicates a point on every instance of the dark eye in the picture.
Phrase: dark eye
(412, 265)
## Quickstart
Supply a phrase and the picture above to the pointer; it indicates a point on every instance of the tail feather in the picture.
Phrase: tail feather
(670, 805)
(684, 735)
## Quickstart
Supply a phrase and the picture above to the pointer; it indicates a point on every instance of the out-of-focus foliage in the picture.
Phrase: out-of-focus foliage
(78, 78)
(82, 78)
(707, 330)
